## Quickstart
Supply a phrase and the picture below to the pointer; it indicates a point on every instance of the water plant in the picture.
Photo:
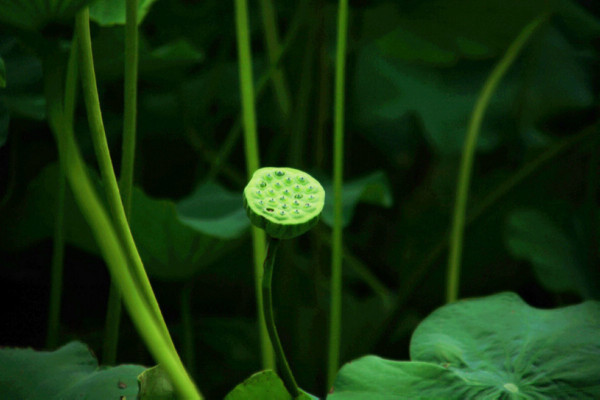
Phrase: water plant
(132, 135)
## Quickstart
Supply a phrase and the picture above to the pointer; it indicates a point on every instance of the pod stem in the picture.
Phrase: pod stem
(284, 368)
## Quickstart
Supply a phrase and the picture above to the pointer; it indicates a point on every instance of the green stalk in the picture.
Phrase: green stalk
(464, 176)
(92, 102)
(113, 313)
(335, 313)
(105, 234)
(284, 368)
(252, 163)
(273, 50)
(58, 248)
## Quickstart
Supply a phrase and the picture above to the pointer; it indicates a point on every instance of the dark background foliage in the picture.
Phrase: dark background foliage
(414, 70)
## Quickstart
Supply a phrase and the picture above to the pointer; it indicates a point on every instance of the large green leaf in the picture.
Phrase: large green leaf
(495, 347)
(69, 373)
(4, 122)
(112, 12)
(372, 189)
(557, 258)
(33, 15)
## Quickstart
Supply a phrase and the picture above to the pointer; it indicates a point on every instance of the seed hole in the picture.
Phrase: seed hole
(270, 210)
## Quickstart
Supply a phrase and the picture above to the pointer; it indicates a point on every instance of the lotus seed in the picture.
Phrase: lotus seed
(273, 200)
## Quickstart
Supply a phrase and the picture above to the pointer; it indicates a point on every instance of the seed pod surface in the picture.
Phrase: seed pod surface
(285, 202)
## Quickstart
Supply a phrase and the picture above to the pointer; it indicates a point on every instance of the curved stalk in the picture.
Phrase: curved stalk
(335, 313)
(284, 368)
(464, 176)
(252, 163)
(92, 102)
(105, 234)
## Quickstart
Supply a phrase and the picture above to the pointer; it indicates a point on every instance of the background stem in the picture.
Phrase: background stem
(252, 163)
(58, 249)
(335, 313)
(113, 313)
(466, 165)
(284, 368)
(280, 86)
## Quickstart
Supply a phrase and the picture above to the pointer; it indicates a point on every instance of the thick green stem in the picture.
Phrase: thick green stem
(108, 242)
(464, 177)
(92, 102)
(284, 368)
(335, 313)
(252, 161)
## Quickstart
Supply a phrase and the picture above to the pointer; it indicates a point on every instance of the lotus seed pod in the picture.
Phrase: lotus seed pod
(285, 202)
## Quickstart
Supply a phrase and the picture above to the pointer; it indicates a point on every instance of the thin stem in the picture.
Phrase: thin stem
(57, 268)
(382, 334)
(252, 162)
(335, 314)
(234, 133)
(284, 368)
(280, 86)
(113, 313)
(130, 103)
(92, 102)
(464, 177)
(106, 237)
(58, 249)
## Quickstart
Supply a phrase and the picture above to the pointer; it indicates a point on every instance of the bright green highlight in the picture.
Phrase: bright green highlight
(285, 202)
(335, 310)
(466, 166)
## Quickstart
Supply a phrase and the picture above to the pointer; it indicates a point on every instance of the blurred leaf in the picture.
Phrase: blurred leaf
(155, 385)
(112, 12)
(69, 373)
(553, 76)
(179, 50)
(33, 15)
(2, 74)
(172, 246)
(170, 56)
(32, 106)
(214, 211)
(262, 385)
(557, 261)
(372, 189)
(492, 347)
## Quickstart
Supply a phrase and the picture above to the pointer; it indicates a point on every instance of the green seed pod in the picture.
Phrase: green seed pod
(283, 215)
